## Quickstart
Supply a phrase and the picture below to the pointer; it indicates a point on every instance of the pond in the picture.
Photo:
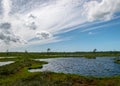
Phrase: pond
(5, 63)
(99, 66)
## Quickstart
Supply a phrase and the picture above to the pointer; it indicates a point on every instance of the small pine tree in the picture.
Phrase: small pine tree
(48, 50)
(94, 50)
(26, 51)
(7, 52)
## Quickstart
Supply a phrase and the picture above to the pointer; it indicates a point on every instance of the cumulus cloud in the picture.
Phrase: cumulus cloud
(43, 35)
(32, 26)
(102, 10)
(5, 25)
(6, 34)
(7, 38)
(31, 22)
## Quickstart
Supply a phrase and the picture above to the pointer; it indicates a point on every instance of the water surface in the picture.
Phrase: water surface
(6, 63)
(100, 66)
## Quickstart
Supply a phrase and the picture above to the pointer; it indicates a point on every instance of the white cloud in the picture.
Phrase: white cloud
(28, 19)
(6, 34)
(103, 10)
(100, 26)
(6, 4)
(91, 33)
(43, 35)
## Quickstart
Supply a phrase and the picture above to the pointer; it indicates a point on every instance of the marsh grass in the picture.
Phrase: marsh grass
(117, 61)
(16, 74)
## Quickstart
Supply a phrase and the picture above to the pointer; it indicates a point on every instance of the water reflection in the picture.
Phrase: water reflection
(101, 66)
(5, 63)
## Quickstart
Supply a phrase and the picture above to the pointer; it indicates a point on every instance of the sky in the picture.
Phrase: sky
(61, 25)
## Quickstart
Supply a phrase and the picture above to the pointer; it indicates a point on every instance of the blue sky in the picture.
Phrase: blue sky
(62, 25)
(105, 38)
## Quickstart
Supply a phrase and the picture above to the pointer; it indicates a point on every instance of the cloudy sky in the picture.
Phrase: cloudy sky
(62, 25)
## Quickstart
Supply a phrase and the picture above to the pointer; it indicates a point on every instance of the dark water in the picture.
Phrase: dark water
(101, 66)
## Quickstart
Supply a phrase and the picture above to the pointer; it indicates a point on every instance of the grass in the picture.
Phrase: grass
(17, 70)
(16, 74)
(59, 54)
(117, 61)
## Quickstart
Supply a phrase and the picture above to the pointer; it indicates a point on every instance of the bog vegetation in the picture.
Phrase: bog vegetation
(16, 74)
